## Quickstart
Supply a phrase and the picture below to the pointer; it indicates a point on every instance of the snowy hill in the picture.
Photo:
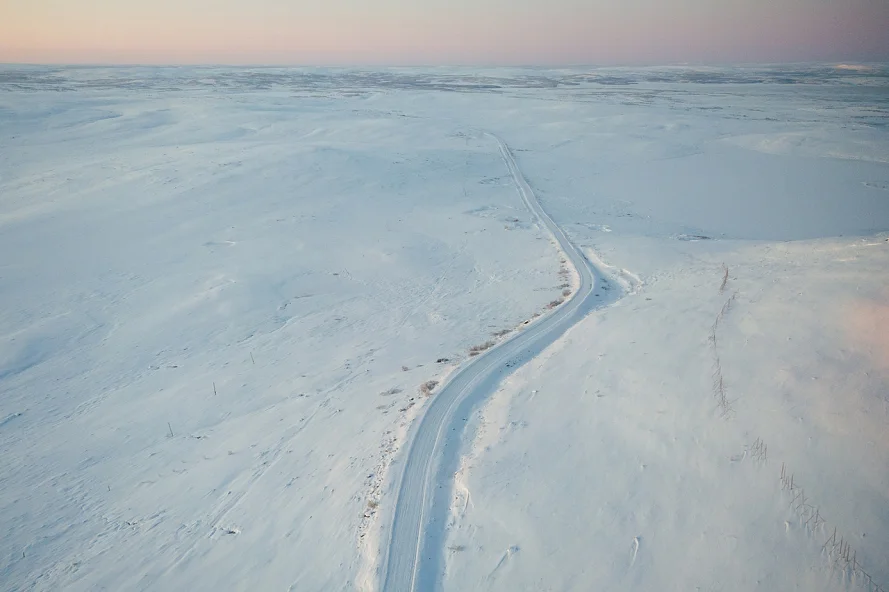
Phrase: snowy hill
(222, 292)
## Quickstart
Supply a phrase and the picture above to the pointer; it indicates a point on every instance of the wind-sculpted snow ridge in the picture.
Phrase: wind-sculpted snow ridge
(413, 558)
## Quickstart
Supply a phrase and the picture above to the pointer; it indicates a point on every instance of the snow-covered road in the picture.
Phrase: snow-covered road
(413, 558)
(221, 287)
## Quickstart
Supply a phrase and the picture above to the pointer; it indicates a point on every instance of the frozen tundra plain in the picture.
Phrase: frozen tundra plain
(226, 294)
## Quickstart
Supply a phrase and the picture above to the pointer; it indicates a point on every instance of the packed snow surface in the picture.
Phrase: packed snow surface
(228, 297)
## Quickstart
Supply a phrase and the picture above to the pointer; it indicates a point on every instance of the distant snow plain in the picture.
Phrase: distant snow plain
(223, 289)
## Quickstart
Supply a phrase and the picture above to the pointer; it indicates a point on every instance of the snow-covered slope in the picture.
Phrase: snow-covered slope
(205, 322)
(613, 462)
(222, 289)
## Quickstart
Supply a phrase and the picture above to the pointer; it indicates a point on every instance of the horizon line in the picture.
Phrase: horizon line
(734, 64)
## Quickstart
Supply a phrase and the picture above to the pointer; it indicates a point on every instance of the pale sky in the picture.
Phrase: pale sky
(359, 32)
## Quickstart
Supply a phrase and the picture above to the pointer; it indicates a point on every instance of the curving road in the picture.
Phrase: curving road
(413, 559)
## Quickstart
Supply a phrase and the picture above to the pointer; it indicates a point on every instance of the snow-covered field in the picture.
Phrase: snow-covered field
(221, 291)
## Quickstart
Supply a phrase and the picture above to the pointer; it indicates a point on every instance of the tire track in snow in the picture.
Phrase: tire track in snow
(413, 558)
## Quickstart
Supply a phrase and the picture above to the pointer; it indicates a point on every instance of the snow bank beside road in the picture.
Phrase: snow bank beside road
(609, 464)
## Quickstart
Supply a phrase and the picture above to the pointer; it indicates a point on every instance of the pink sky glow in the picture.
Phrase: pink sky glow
(436, 32)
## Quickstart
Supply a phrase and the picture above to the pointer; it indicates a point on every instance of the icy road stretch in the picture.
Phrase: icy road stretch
(412, 561)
